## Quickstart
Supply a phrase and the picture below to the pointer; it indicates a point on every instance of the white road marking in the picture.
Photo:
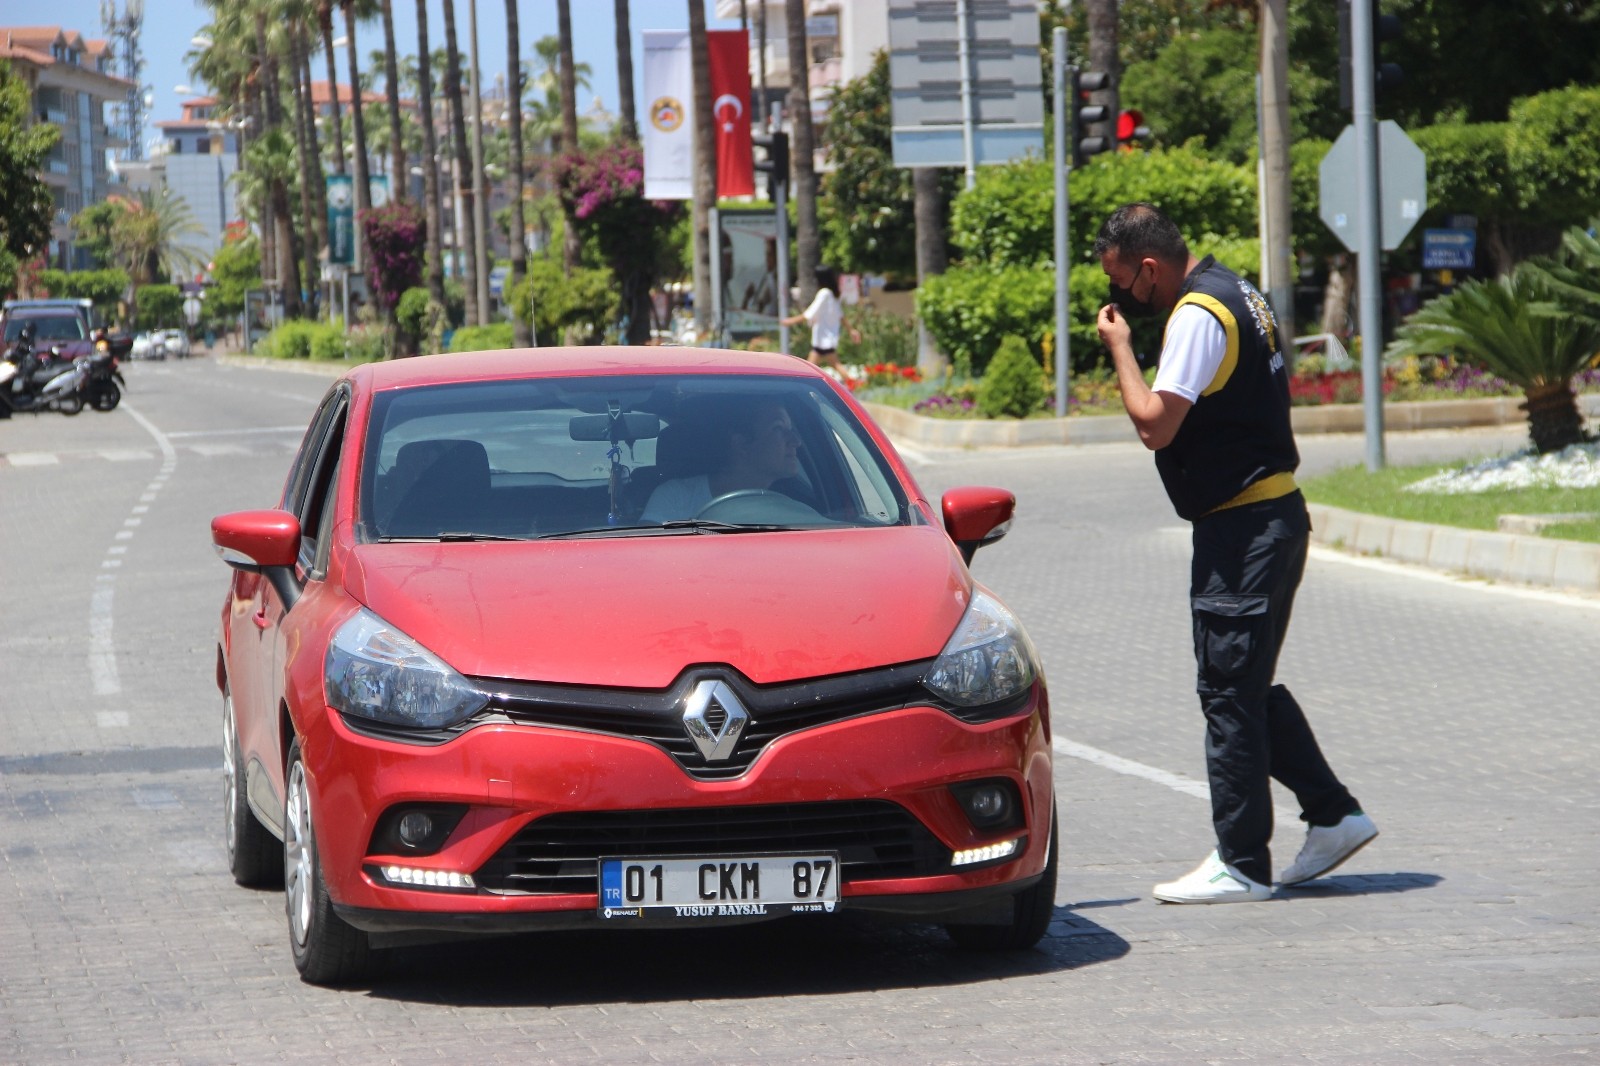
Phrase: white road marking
(33, 458)
(1177, 782)
(1423, 573)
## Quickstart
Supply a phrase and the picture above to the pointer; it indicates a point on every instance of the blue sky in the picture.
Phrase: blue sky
(169, 24)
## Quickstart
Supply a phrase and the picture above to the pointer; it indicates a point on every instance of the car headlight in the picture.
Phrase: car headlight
(988, 659)
(375, 671)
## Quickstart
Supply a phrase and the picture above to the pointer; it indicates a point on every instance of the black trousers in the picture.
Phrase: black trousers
(1247, 565)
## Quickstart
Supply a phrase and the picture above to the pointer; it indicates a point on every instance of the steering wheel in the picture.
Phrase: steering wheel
(769, 507)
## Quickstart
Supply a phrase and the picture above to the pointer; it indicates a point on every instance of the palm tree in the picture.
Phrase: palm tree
(325, 27)
(148, 237)
(466, 228)
(705, 167)
(544, 126)
(572, 246)
(391, 76)
(807, 239)
(430, 160)
(1514, 326)
(521, 335)
(630, 124)
(355, 10)
(265, 12)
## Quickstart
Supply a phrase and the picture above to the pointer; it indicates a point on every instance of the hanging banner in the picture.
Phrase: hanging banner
(729, 52)
(341, 219)
(668, 130)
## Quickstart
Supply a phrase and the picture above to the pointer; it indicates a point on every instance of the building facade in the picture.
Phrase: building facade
(70, 81)
(196, 159)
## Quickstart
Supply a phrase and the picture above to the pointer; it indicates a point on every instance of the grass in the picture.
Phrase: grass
(1383, 493)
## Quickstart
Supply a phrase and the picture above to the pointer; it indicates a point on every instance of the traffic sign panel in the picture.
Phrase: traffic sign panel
(1402, 187)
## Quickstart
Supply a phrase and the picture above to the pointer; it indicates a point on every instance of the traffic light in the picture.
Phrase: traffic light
(1083, 115)
(776, 165)
(1131, 130)
(1384, 75)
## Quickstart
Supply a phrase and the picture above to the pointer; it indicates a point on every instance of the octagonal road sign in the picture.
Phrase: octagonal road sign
(1402, 187)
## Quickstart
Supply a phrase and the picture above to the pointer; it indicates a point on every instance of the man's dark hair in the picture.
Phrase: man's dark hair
(1141, 231)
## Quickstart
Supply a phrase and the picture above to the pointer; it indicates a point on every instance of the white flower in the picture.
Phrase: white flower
(1576, 466)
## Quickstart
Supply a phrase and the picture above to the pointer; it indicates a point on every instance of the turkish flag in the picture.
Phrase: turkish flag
(730, 110)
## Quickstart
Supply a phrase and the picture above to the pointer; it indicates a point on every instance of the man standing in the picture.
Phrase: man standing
(1217, 418)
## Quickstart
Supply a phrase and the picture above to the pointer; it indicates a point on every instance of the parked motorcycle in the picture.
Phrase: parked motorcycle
(103, 383)
(35, 381)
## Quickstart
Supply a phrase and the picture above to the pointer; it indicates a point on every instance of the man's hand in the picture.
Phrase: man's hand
(1113, 327)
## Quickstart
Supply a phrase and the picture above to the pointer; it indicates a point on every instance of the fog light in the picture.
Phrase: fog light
(412, 877)
(415, 827)
(986, 804)
(990, 805)
(988, 853)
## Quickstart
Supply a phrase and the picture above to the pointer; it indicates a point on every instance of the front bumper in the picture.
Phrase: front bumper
(510, 777)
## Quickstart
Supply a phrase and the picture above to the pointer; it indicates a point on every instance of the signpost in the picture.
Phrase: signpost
(1402, 187)
(1449, 249)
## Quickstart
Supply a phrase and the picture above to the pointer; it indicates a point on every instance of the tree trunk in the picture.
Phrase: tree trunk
(521, 331)
(466, 228)
(362, 178)
(572, 246)
(1278, 241)
(325, 27)
(313, 224)
(932, 256)
(288, 257)
(802, 155)
(399, 175)
(630, 123)
(705, 168)
(319, 187)
(430, 162)
(1104, 56)
(1553, 418)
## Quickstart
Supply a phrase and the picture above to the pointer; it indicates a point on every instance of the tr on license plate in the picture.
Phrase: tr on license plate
(718, 887)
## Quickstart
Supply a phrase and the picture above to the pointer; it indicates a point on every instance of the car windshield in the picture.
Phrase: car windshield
(620, 455)
(66, 327)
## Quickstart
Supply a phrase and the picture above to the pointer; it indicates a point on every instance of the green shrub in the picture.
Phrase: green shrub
(488, 338)
(157, 306)
(411, 313)
(584, 303)
(328, 341)
(366, 344)
(970, 308)
(1013, 386)
(885, 338)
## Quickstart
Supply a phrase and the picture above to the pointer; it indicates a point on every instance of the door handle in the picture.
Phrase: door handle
(260, 619)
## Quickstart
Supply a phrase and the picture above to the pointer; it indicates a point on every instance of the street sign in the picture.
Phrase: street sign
(1449, 249)
(1402, 187)
(191, 310)
(927, 102)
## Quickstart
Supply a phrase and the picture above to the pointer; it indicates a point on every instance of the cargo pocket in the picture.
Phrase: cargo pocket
(1227, 630)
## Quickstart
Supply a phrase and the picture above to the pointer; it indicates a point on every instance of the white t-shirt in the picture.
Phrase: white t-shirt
(1191, 351)
(826, 315)
(677, 499)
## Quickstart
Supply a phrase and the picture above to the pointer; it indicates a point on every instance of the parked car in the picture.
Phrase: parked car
(18, 311)
(176, 342)
(622, 637)
(151, 344)
(58, 330)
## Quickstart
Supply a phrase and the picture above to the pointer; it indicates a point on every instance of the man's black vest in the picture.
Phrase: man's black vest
(1237, 432)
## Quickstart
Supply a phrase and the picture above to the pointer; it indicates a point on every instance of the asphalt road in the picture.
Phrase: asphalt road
(1462, 715)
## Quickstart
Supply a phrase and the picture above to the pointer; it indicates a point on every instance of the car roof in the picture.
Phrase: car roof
(574, 361)
(65, 302)
(46, 311)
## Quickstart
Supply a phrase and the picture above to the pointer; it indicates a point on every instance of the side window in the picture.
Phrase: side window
(300, 472)
(874, 495)
(316, 510)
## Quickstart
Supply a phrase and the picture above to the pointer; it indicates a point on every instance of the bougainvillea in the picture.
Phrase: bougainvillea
(395, 238)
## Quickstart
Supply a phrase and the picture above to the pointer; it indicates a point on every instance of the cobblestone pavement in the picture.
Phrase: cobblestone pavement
(1463, 717)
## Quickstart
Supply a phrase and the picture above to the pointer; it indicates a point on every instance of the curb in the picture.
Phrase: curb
(1511, 557)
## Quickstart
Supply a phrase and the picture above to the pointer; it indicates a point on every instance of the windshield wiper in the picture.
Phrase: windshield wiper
(451, 537)
(700, 525)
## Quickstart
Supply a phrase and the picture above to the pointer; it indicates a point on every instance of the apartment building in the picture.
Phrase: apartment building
(70, 81)
(842, 36)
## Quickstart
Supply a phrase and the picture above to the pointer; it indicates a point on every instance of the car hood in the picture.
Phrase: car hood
(633, 612)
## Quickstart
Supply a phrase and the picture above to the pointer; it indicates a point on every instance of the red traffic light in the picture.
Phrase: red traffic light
(1128, 123)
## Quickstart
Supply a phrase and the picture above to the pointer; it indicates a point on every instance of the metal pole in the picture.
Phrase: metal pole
(479, 192)
(1263, 222)
(1369, 282)
(1063, 165)
(963, 32)
(781, 195)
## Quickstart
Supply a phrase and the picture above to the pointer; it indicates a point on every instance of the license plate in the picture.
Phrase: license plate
(718, 887)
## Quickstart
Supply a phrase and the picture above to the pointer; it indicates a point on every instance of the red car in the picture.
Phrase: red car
(634, 637)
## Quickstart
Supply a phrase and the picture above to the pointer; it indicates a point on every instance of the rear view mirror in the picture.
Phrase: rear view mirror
(634, 425)
(975, 516)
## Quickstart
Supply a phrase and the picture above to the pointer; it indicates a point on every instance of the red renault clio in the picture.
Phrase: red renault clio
(628, 637)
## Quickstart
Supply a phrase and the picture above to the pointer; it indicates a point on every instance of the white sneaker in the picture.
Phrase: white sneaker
(1213, 881)
(1328, 846)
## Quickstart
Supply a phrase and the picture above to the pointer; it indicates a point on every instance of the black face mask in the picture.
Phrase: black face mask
(1129, 304)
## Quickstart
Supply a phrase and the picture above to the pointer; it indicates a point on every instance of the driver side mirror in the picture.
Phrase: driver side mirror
(261, 542)
(975, 516)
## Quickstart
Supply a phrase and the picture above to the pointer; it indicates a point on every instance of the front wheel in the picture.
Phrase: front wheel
(104, 395)
(1031, 911)
(327, 949)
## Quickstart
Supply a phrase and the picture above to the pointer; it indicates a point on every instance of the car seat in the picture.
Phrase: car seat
(434, 487)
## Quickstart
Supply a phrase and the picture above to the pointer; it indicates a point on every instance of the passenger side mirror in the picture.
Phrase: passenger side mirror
(261, 542)
(976, 515)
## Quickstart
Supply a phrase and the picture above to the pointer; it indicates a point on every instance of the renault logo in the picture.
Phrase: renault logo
(715, 744)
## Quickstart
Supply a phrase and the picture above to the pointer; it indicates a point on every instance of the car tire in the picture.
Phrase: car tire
(327, 949)
(1031, 912)
(255, 856)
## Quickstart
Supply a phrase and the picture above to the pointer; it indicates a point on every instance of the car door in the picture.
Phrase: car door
(260, 728)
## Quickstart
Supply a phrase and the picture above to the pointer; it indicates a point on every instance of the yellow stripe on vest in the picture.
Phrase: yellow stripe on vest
(1268, 488)
(1230, 326)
